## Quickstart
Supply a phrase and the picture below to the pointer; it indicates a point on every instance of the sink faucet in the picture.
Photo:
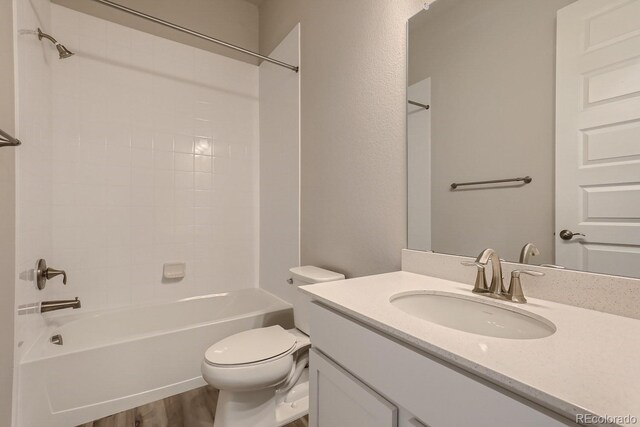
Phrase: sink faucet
(496, 289)
(527, 252)
(46, 306)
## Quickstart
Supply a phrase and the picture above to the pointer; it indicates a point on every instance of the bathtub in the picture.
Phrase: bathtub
(118, 359)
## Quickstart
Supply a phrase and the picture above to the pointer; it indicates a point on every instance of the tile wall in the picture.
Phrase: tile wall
(33, 167)
(155, 160)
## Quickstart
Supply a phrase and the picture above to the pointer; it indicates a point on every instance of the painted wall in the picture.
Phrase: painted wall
(234, 21)
(353, 85)
(7, 212)
(280, 169)
(492, 70)
(154, 160)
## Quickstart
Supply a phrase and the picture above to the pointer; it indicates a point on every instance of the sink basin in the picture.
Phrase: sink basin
(468, 314)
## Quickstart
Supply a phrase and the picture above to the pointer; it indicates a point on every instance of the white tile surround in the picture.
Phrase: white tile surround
(610, 294)
(33, 181)
(155, 159)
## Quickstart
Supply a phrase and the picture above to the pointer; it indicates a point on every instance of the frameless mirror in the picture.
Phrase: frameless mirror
(524, 127)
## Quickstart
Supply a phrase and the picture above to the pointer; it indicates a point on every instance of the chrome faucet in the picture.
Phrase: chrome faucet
(527, 252)
(46, 306)
(496, 289)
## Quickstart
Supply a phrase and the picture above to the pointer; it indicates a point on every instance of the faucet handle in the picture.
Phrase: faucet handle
(52, 272)
(515, 293)
(471, 264)
(44, 273)
(529, 272)
(480, 286)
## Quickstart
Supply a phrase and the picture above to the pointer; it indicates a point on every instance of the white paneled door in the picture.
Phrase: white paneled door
(598, 136)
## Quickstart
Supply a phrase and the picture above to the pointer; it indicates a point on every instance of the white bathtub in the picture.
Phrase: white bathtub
(118, 359)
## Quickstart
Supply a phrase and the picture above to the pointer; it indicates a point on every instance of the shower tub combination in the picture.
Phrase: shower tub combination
(118, 359)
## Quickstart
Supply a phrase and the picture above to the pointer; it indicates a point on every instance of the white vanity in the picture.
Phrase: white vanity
(375, 364)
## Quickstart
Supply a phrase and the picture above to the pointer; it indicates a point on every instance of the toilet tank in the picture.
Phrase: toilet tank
(308, 275)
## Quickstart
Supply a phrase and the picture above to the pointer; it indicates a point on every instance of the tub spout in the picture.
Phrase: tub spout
(59, 305)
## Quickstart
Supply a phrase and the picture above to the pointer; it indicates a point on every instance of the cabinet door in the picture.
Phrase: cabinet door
(337, 399)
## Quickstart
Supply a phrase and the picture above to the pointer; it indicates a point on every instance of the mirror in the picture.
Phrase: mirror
(482, 105)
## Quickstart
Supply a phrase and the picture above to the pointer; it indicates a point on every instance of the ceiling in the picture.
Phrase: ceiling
(256, 2)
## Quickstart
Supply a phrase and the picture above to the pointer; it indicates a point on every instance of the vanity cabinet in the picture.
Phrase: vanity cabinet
(342, 400)
(360, 376)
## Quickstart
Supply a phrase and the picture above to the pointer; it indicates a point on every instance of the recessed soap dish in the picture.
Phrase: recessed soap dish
(174, 270)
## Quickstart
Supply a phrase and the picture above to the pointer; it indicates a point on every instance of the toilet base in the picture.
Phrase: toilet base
(263, 408)
(246, 409)
(293, 404)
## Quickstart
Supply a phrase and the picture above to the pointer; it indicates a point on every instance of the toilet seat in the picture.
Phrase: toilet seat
(250, 360)
(252, 346)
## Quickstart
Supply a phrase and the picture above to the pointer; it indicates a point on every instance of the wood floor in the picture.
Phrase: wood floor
(195, 408)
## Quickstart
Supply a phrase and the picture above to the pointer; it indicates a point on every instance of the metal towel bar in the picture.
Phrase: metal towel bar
(526, 180)
(7, 140)
(419, 104)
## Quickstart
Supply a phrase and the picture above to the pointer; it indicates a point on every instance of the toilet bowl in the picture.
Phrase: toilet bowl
(252, 369)
(261, 373)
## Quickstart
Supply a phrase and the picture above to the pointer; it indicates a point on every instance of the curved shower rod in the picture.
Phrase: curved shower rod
(197, 34)
(7, 140)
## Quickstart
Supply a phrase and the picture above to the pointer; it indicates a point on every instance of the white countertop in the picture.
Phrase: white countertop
(591, 364)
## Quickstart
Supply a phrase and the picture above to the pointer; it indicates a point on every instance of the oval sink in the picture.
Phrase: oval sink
(470, 315)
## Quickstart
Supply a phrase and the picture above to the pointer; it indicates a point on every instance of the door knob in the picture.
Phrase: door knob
(568, 235)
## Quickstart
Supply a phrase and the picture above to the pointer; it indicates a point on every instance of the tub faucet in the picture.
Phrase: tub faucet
(59, 305)
(496, 289)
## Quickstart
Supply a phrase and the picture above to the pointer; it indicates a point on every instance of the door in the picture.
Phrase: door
(598, 136)
(337, 399)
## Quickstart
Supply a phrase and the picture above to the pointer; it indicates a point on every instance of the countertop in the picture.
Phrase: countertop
(591, 364)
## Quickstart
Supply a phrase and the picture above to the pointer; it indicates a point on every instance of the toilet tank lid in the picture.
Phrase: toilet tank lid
(311, 274)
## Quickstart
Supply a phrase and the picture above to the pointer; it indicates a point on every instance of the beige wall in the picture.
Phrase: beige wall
(279, 174)
(233, 21)
(492, 69)
(7, 213)
(353, 215)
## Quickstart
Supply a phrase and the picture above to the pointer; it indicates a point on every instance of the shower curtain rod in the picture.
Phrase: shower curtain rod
(196, 34)
(7, 140)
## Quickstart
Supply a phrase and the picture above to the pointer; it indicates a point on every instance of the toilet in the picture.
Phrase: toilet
(262, 373)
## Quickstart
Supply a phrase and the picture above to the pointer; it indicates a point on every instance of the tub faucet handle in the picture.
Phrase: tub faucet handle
(52, 272)
(44, 273)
